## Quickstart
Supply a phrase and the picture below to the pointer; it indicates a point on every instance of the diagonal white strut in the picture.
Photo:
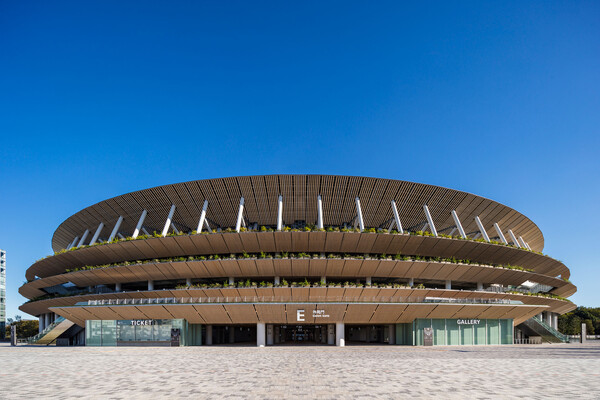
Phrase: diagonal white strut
(499, 232)
(513, 238)
(396, 218)
(95, 237)
(458, 225)
(115, 229)
(429, 220)
(202, 217)
(73, 242)
(85, 234)
(523, 245)
(138, 227)
(238, 224)
(168, 221)
(361, 222)
(482, 229)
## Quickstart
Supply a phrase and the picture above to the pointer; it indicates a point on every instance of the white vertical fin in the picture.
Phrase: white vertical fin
(280, 213)
(320, 212)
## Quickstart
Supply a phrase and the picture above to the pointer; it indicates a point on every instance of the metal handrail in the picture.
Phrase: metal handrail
(550, 329)
(47, 329)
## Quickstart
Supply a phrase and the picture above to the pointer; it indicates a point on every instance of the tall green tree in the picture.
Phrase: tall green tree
(25, 328)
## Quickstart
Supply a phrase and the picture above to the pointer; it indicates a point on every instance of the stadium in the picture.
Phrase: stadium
(297, 259)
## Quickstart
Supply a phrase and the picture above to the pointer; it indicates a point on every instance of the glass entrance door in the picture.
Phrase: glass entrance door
(302, 334)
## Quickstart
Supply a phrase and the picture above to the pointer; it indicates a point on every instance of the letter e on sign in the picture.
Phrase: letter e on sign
(300, 315)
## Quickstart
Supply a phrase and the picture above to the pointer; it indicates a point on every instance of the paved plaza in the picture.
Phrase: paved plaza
(382, 372)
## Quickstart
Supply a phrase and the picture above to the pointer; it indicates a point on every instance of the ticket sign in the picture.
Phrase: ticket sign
(427, 336)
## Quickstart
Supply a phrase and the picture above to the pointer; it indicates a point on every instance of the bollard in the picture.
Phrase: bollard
(13, 335)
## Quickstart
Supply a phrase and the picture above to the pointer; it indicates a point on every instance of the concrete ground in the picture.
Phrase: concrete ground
(382, 372)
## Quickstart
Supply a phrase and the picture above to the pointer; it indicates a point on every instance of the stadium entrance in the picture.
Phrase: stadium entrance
(301, 334)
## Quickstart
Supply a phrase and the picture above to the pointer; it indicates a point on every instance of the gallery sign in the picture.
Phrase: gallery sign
(468, 321)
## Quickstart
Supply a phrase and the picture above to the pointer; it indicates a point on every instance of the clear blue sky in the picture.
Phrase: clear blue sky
(501, 99)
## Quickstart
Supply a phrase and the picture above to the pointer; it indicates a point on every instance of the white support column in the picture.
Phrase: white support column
(280, 213)
(202, 216)
(95, 237)
(340, 334)
(46, 320)
(555, 320)
(528, 247)
(479, 286)
(513, 238)
(361, 222)
(115, 229)
(41, 323)
(499, 232)
(174, 228)
(138, 227)
(168, 221)
(448, 284)
(260, 334)
(324, 280)
(392, 334)
(146, 231)
(411, 282)
(277, 280)
(85, 235)
(429, 219)
(231, 281)
(396, 217)
(331, 334)
(458, 225)
(150, 285)
(482, 229)
(188, 282)
(368, 281)
(118, 287)
(209, 333)
(320, 212)
(240, 215)
(522, 242)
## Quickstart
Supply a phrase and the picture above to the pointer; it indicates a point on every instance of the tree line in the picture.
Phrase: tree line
(25, 327)
(570, 323)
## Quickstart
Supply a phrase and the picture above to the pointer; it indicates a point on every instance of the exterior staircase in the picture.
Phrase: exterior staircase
(52, 331)
(536, 327)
